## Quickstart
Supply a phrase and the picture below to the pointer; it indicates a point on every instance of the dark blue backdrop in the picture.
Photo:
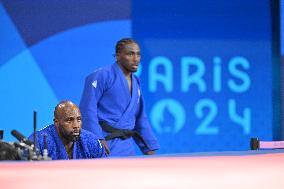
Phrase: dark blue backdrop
(206, 65)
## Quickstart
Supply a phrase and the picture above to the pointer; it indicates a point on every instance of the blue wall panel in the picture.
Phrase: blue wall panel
(206, 67)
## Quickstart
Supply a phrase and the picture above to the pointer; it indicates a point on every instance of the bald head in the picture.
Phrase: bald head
(67, 119)
(65, 107)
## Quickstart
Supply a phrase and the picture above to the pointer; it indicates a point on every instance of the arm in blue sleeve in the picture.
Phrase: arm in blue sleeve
(93, 90)
(101, 152)
(144, 128)
(94, 145)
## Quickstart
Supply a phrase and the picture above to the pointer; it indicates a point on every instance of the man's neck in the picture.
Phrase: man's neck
(67, 144)
(69, 149)
(125, 72)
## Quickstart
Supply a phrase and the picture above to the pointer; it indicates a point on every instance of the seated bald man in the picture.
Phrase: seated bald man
(65, 138)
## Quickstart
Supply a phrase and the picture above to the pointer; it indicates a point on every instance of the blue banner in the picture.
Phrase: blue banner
(206, 70)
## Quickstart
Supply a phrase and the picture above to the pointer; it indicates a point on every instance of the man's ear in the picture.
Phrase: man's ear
(56, 123)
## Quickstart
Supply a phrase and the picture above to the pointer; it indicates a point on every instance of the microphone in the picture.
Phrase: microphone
(21, 138)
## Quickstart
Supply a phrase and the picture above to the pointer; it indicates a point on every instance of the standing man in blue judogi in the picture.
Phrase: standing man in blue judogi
(112, 104)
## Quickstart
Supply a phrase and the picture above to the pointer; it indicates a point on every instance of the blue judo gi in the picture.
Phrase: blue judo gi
(106, 97)
(88, 145)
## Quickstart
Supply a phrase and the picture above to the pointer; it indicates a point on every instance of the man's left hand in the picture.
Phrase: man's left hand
(151, 152)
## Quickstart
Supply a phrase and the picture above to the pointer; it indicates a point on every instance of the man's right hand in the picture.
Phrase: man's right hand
(106, 146)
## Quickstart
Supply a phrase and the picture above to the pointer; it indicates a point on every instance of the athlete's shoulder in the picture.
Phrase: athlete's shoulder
(100, 72)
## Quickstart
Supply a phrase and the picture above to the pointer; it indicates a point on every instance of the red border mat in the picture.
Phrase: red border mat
(262, 171)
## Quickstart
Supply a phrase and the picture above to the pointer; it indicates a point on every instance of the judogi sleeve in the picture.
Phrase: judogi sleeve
(144, 128)
(91, 145)
(97, 149)
(93, 90)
